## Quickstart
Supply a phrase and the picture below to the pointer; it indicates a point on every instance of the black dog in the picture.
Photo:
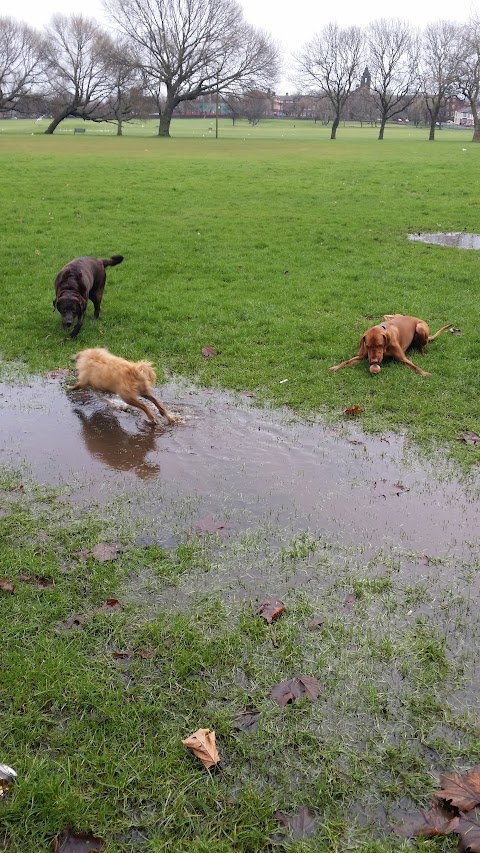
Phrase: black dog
(77, 282)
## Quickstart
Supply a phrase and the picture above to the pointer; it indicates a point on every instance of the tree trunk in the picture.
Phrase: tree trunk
(56, 121)
(382, 127)
(434, 111)
(336, 122)
(476, 122)
(119, 127)
(164, 126)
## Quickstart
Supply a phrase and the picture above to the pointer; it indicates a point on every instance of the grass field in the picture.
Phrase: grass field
(278, 252)
(279, 248)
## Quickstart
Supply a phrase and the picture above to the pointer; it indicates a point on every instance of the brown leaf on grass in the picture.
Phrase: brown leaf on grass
(6, 585)
(212, 526)
(202, 744)
(469, 832)
(77, 842)
(316, 623)
(439, 820)
(295, 688)
(349, 602)
(209, 352)
(38, 581)
(246, 721)
(353, 410)
(470, 437)
(108, 605)
(461, 790)
(103, 552)
(145, 654)
(126, 655)
(270, 609)
(299, 825)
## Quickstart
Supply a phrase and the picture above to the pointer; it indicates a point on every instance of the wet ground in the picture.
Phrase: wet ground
(232, 467)
(458, 239)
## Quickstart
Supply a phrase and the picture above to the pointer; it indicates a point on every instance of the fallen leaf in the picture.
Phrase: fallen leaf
(38, 581)
(102, 551)
(461, 790)
(270, 609)
(316, 622)
(439, 820)
(470, 437)
(105, 551)
(6, 585)
(109, 604)
(300, 824)
(123, 655)
(202, 744)
(353, 410)
(469, 832)
(209, 352)
(246, 721)
(212, 526)
(146, 654)
(349, 602)
(295, 688)
(77, 842)
(7, 776)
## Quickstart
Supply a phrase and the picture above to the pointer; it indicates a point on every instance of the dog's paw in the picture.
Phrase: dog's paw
(333, 369)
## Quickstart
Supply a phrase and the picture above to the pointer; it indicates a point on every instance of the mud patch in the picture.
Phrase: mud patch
(457, 239)
(236, 466)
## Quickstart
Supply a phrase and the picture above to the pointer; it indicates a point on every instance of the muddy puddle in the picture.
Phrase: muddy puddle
(457, 239)
(231, 467)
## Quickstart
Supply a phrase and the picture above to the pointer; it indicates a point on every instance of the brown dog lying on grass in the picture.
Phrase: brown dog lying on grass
(393, 338)
(102, 371)
(77, 282)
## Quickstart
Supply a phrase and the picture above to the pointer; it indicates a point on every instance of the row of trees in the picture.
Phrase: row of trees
(162, 53)
(441, 62)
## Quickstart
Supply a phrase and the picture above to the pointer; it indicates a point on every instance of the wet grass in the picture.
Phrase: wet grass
(278, 248)
(96, 740)
(278, 252)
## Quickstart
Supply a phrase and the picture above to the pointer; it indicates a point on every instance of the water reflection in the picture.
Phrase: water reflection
(457, 239)
(108, 441)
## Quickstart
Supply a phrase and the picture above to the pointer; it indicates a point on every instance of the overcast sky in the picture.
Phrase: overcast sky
(291, 23)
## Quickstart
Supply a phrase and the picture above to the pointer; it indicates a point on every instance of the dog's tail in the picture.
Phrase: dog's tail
(432, 337)
(113, 261)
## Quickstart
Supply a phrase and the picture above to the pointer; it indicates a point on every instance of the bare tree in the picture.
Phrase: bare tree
(256, 105)
(392, 48)
(126, 98)
(362, 107)
(20, 62)
(235, 105)
(469, 70)
(331, 64)
(190, 48)
(77, 50)
(439, 67)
